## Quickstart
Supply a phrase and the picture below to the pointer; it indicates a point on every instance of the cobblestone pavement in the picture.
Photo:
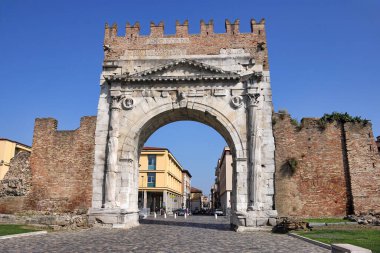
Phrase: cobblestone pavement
(195, 234)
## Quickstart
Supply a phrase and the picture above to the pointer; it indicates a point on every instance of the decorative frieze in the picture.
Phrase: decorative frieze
(220, 92)
(195, 93)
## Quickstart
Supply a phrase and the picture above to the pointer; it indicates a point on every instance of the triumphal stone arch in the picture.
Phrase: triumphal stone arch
(221, 80)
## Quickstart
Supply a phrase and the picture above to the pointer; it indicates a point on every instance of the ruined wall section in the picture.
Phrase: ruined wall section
(16, 184)
(317, 185)
(61, 164)
(364, 164)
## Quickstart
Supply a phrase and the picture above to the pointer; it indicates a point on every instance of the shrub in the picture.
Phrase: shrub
(341, 118)
(289, 167)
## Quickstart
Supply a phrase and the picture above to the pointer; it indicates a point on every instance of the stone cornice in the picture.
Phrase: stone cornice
(206, 72)
(126, 78)
(187, 62)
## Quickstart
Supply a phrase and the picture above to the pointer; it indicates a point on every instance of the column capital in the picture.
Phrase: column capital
(253, 98)
(116, 102)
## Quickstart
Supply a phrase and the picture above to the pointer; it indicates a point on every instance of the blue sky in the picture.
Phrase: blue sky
(324, 57)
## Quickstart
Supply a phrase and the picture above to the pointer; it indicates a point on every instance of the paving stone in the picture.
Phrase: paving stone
(196, 233)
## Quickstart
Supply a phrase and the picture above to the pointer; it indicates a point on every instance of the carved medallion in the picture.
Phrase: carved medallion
(237, 101)
(128, 103)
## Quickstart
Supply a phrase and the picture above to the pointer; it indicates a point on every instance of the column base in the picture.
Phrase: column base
(253, 220)
(113, 218)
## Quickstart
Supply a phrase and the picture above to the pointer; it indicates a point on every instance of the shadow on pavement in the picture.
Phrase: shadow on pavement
(215, 226)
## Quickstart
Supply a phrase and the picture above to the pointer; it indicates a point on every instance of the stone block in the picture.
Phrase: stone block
(261, 222)
(272, 222)
(348, 248)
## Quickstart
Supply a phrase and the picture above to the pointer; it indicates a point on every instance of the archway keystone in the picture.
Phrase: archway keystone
(221, 80)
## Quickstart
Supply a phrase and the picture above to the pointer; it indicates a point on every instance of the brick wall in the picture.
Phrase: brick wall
(364, 163)
(318, 185)
(336, 172)
(62, 164)
(205, 43)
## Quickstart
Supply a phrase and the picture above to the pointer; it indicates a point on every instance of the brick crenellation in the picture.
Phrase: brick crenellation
(157, 30)
(207, 42)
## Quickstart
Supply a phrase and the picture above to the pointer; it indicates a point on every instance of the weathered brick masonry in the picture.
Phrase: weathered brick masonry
(15, 186)
(364, 164)
(337, 171)
(62, 163)
(205, 43)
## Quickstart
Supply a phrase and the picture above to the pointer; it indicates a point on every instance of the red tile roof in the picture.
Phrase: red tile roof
(5, 139)
(154, 148)
(195, 190)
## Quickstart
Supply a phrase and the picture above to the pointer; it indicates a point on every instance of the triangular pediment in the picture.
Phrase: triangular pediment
(180, 70)
(183, 67)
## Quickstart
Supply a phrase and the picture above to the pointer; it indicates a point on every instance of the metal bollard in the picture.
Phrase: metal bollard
(165, 215)
(175, 216)
(185, 215)
(216, 216)
(155, 215)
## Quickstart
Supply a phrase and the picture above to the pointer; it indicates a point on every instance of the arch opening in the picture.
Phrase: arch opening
(184, 114)
(189, 149)
(134, 142)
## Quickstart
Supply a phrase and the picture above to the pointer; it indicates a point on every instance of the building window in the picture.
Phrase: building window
(151, 179)
(151, 162)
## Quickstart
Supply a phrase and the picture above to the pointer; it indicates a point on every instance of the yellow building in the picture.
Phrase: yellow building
(160, 180)
(8, 149)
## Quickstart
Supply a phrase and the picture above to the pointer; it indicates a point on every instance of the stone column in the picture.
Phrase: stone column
(112, 171)
(165, 198)
(254, 151)
(145, 199)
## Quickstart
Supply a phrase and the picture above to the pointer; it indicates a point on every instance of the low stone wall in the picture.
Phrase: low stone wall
(55, 222)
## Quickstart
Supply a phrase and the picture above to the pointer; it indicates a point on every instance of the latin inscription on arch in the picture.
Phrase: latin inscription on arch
(156, 41)
(153, 52)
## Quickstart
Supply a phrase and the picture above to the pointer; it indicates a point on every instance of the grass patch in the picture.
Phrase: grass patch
(366, 237)
(324, 220)
(10, 229)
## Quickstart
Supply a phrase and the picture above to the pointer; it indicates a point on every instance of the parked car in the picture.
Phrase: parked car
(181, 212)
(218, 212)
